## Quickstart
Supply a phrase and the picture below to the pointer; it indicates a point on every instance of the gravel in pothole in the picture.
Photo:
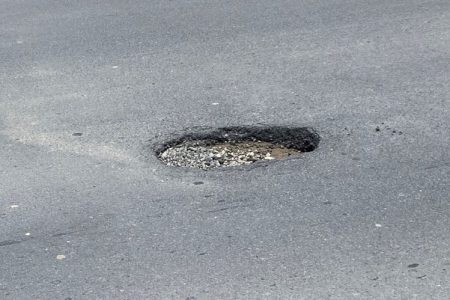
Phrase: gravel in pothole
(206, 155)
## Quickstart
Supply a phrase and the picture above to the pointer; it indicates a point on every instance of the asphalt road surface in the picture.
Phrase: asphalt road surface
(87, 88)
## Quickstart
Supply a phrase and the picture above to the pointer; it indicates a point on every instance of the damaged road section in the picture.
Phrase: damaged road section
(234, 146)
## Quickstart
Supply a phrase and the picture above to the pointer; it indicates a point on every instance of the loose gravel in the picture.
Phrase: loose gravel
(206, 155)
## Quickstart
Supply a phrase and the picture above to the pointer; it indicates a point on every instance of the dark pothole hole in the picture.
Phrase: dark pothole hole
(238, 145)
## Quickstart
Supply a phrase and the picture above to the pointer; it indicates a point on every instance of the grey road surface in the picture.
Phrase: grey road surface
(88, 87)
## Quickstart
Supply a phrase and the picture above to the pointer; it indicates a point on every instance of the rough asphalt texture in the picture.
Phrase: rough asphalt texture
(204, 156)
(87, 213)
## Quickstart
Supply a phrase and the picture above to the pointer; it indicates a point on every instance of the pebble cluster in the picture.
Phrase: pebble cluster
(203, 156)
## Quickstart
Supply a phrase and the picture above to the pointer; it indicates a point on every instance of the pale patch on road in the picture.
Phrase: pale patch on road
(24, 132)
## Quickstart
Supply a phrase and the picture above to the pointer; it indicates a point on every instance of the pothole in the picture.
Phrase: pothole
(235, 146)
